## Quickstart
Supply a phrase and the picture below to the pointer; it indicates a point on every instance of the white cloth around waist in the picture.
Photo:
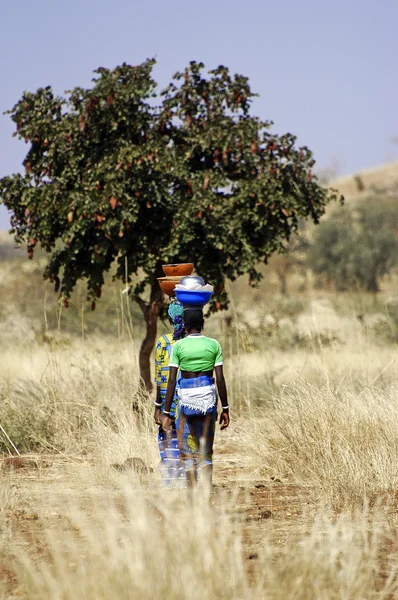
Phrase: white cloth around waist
(201, 399)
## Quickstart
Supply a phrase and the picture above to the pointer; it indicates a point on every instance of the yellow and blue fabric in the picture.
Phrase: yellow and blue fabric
(162, 368)
(170, 467)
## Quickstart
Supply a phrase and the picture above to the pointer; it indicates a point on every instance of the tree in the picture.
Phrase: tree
(357, 246)
(112, 177)
(292, 258)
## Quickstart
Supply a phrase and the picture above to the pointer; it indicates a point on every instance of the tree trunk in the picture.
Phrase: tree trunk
(373, 285)
(282, 271)
(283, 282)
(151, 313)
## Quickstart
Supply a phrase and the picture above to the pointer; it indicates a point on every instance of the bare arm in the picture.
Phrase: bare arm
(158, 401)
(158, 398)
(222, 392)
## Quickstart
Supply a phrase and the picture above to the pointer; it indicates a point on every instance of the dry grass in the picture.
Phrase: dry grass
(306, 484)
(341, 443)
(73, 527)
(382, 177)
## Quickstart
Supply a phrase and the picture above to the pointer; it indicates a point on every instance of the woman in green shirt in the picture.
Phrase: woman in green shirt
(198, 357)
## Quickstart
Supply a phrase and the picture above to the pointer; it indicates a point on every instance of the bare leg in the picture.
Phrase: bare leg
(206, 478)
(191, 478)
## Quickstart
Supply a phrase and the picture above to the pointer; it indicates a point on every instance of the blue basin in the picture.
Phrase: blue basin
(193, 298)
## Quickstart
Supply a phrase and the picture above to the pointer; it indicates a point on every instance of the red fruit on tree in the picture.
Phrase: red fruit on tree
(113, 202)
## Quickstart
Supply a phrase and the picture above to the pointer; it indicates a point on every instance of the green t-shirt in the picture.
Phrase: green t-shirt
(196, 353)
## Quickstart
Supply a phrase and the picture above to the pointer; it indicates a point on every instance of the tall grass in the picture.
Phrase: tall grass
(128, 545)
(311, 407)
(345, 445)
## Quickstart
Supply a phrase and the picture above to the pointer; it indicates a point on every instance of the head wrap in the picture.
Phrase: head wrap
(176, 311)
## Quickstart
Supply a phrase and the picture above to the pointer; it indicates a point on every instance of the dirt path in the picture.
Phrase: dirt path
(268, 511)
(268, 508)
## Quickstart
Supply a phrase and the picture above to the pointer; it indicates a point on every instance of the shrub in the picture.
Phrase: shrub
(357, 246)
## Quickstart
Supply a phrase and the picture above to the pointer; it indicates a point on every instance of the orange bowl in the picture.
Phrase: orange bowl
(175, 270)
(167, 284)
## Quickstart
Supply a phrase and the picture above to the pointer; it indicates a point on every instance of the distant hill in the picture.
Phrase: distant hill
(377, 179)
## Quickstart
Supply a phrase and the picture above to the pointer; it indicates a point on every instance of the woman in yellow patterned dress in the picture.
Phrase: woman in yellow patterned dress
(170, 464)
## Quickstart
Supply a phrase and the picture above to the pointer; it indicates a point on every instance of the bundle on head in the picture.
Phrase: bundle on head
(193, 319)
(175, 312)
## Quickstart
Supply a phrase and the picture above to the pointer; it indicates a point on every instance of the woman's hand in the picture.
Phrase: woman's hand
(224, 419)
(165, 422)
(157, 415)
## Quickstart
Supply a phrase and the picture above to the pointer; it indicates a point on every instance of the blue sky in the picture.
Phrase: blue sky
(325, 70)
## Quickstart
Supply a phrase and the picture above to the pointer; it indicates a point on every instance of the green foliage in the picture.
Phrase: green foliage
(109, 177)
(357, 246)
(386, 326)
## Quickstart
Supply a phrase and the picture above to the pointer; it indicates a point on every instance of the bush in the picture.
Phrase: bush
(386, 326)
(357, 246)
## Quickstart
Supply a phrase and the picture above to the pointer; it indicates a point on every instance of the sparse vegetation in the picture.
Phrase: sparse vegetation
(305, 494)
(358, 245)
